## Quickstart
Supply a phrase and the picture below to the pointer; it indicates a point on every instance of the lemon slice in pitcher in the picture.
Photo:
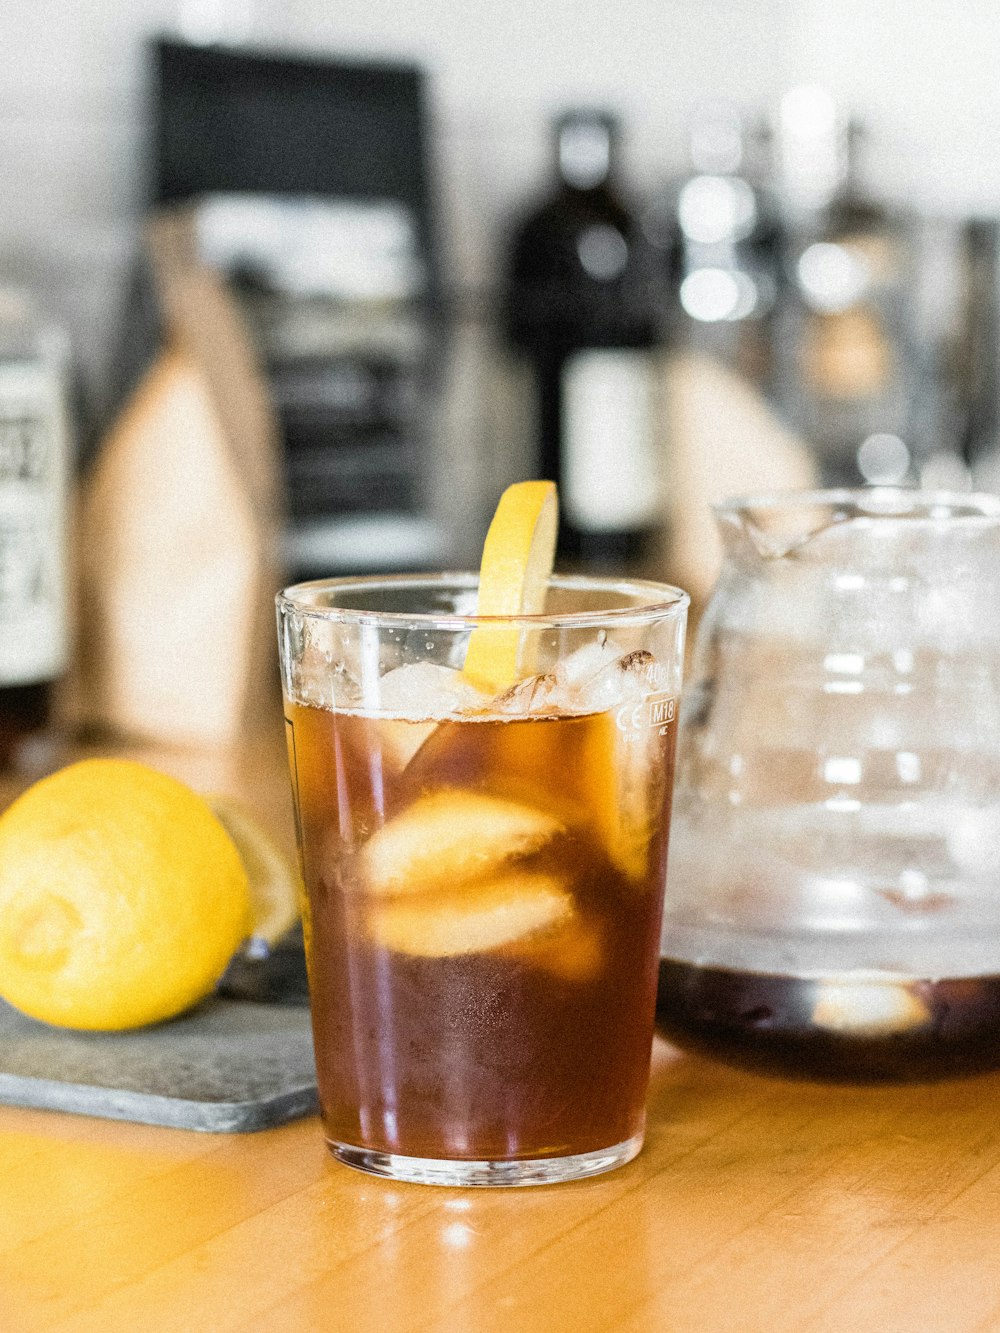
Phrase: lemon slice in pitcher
(513, 578)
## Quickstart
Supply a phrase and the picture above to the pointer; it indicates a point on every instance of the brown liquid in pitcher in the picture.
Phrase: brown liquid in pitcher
(845, 1029)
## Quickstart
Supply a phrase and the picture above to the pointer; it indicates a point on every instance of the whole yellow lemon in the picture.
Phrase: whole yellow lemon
(122, 897)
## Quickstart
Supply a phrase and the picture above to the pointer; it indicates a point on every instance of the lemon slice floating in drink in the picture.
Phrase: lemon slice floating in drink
(483, 917)
(448, 838)
(514, 577)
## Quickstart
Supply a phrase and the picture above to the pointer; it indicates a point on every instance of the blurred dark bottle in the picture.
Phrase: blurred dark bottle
(720, 240)
(585, 304)
(848, 376)
(34, 479)
(978, 360)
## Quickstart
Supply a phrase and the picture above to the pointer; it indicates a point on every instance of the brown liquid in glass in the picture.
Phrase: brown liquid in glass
(527, 1050)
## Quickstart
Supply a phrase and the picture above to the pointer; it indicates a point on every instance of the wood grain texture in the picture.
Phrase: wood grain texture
(757, 1205)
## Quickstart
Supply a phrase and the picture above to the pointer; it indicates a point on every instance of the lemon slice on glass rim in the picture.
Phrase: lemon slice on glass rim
(518, 555)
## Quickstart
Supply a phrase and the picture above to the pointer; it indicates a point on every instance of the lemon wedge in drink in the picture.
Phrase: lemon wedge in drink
(448, 838)
(513, 578)
(477, 919)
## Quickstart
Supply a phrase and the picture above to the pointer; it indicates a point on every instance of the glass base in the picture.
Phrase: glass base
(450, 1171)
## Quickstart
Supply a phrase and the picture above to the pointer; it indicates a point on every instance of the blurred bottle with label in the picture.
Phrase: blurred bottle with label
(34, 485)
(847, 367)
(717, 232)
(584, 302)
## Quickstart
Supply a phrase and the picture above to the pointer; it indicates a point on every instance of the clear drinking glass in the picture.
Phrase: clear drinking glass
(484, 875)
(834, 898)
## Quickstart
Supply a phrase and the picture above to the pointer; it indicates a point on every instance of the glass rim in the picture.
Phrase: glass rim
(655, 601)
(871, 502)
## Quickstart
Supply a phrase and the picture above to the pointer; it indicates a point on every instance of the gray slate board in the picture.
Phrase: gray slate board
(228, 1066)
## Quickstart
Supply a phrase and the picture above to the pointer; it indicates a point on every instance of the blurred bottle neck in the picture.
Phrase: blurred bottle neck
(814, 152)
(586, 142)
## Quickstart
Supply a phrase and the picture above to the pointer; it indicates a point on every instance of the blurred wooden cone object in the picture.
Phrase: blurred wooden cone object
(725, 440)
(180, 524)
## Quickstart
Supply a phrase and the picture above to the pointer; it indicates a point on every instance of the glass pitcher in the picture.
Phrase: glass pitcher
(833, 898)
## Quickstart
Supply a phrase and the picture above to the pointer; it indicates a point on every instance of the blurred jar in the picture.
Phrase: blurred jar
(34, 488)
(833, 897)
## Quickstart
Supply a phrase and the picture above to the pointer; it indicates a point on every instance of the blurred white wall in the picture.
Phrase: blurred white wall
(72, 108)
(500, 72)
(922, 75)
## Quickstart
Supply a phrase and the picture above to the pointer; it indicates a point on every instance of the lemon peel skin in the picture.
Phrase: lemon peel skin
(122, 897)
(513, 579)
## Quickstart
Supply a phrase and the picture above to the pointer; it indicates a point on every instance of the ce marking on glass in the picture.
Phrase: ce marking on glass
(656, 710)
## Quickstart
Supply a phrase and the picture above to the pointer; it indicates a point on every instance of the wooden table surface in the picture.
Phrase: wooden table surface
(757, 1204)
